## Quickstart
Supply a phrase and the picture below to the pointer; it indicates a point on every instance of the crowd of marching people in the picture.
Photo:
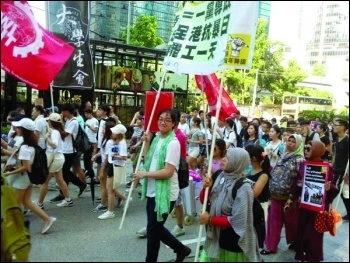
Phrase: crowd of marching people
(270, 156)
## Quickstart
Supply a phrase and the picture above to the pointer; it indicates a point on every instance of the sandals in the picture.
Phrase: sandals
(266, 252)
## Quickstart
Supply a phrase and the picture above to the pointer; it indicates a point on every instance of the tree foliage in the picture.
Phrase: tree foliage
(272, 75)
(318, 70)
(144, 32)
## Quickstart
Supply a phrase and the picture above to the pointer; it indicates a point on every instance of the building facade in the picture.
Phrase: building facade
(110, 18)
(330, 39)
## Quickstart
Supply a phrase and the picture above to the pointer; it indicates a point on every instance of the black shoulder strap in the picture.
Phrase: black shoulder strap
(237, 185)
(215, 175)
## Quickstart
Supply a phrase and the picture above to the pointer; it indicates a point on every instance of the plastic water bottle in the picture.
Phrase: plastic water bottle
(115, 149)
(4, 137)
(141, 167)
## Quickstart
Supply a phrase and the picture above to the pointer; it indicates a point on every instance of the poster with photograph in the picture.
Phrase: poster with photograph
(313, 194)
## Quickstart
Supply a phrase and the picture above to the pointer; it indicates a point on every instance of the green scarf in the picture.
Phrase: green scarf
(163, 186)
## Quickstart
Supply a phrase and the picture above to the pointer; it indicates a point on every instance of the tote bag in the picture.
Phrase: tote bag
(119, 176)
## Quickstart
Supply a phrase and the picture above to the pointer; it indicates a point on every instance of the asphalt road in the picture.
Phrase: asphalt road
(79, 236)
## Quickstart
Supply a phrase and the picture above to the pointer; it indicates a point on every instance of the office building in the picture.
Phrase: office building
(110, 18)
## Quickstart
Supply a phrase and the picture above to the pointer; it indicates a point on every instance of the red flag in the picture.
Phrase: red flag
(211, 87)
(28, 51)
(165, 101)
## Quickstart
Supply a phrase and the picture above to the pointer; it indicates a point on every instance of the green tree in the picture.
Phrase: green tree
(318, 70)
(272, 75)
(144, 32)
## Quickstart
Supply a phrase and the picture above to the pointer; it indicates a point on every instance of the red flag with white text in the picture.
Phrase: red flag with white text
(28, 51)
(211, 88)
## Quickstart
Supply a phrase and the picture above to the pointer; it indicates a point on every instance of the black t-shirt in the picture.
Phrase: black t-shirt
(326, 142)
(341, 155)
(155, 86)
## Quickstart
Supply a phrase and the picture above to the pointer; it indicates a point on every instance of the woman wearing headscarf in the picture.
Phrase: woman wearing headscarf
(230, 215)
(283, 176)
(309, 242)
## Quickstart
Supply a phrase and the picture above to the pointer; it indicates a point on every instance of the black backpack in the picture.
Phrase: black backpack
(228, 237)
(258, 213)
(39, 172)
(81, 142)
(183, 173)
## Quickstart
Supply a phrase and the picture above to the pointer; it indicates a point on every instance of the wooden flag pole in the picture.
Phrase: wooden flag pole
(218, 107)
(142, 148)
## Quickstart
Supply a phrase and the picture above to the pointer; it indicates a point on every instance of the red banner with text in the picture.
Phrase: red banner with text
(28, 51)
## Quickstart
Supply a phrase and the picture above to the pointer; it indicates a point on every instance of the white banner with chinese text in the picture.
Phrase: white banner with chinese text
(209, 35)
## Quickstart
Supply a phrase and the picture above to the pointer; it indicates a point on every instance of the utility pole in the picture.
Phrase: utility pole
(254, 92)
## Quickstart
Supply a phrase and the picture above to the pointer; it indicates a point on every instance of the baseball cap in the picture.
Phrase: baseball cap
(26, 123)
(54, 117)
(18, 117)
(118, 129)
(55, 108)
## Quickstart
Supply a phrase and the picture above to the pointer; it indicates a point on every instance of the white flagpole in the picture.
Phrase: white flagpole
(218, 107)
(142, 148)
(205, 118)
(51, 94)
(341, 187)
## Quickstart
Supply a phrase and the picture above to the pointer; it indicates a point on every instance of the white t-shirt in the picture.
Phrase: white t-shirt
(238, 126)
(93, 122)
(172, 157)
(56, 139)
(230, 137)
(27, 153)
(15, 142)
(106, 149)
(101, 128)
(123, 151)
(42, 127)
(70, 127)
(206, 134)
(184, 128)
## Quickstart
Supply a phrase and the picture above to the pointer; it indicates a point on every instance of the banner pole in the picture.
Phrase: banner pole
(218, 107)
(142, 148)
(51, 94)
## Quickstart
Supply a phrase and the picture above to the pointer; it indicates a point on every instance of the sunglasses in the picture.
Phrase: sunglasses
(307, 148)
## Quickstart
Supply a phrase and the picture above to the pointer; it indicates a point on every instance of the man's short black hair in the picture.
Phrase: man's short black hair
(39, 108)
(342, 122)
(243, 118)
(68, 107)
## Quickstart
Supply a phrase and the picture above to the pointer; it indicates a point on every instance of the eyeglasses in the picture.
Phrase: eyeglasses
(337, 125)
(307, 148)
(165, 120)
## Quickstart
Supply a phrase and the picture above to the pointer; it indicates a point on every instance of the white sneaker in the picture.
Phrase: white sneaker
(107, 215)
(48, 224)
(142, 232)
(178, 231)
(66, 203)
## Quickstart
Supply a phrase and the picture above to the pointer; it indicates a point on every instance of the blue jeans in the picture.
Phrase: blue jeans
(156, 232)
